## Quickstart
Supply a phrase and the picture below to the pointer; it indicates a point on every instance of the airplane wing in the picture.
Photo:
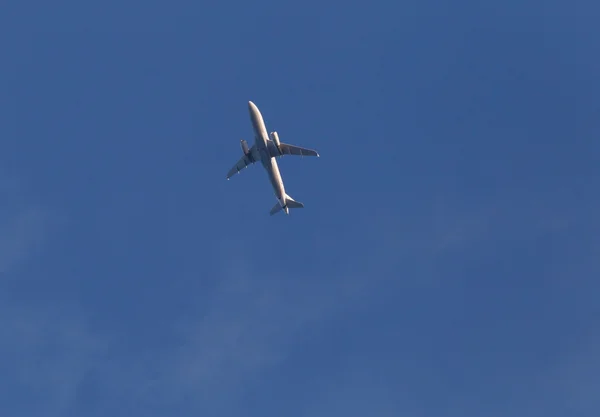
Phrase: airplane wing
(243, 162)
(287, 149)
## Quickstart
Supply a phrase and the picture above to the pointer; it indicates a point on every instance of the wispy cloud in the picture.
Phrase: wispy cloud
(22, 226)
(45, 353)
(21, 230)
(573, 380)
(44, 347)
(50, 356)
(577, 378)
(246, 326)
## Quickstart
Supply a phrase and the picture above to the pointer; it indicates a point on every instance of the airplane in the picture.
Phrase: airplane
(266, 149)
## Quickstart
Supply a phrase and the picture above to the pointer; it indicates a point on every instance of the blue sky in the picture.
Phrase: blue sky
(446, 262)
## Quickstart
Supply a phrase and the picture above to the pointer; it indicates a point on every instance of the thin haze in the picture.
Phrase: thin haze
(446, 262)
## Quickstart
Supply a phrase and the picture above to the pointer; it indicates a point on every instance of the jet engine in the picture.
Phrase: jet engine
(275, 139)
(244, 145)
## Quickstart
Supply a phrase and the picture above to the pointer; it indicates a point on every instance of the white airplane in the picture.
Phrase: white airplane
(266, 151)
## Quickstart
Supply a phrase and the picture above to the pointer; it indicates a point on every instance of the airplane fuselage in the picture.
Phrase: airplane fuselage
(261, 138)
(266, 149)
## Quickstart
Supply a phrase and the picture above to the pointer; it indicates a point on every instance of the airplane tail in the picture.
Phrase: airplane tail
(289, 203)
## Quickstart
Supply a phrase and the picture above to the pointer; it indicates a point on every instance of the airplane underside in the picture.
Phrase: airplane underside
(265, 149)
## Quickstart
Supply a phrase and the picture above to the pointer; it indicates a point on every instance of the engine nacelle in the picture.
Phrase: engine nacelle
(275, 139)
(245, 148)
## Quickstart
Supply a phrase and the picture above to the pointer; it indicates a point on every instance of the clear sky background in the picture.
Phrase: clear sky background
(446, 263)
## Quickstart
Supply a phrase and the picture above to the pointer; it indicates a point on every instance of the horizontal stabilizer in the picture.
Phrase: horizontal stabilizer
(291, 203)
(275, 208)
